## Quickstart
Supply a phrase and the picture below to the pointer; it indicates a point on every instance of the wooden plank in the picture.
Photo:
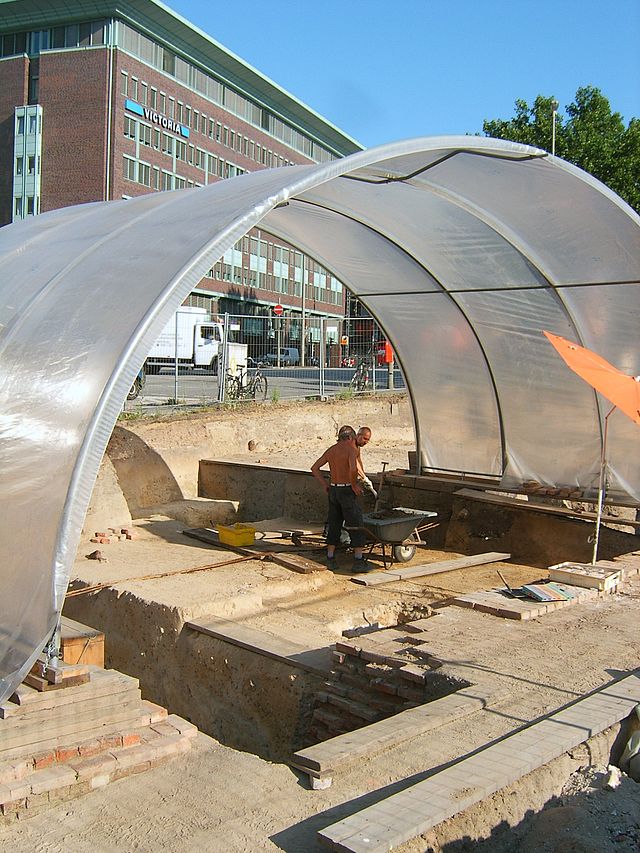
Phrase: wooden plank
(25, 716)
(423, 570)
(327, 756)
(262, 643)
(71, 729)
(101, 682)
(42, 684)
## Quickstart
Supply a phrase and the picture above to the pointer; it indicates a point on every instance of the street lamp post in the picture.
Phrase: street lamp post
(554, 113)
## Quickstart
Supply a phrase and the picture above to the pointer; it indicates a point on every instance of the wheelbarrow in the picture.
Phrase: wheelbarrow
(398, 528)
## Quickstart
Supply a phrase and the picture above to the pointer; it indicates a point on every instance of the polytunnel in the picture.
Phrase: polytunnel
(463, 249)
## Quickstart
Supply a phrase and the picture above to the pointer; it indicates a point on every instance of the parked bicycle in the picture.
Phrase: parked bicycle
(245, 384)
(362, 376)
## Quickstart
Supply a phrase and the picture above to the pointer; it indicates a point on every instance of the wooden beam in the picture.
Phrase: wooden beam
(376, 578)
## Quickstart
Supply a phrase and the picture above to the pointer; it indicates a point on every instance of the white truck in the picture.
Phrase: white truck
(191, 336)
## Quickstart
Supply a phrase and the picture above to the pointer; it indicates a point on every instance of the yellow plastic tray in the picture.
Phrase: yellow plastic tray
(237, 534)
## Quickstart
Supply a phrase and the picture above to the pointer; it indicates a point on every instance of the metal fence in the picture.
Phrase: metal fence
(199, 361)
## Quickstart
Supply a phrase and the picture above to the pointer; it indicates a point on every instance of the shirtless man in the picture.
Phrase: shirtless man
(342, 492)
(363, 437)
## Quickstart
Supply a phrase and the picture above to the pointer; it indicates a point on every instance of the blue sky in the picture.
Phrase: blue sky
(384, 71)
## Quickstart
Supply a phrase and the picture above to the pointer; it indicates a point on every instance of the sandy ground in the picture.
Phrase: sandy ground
(218, 799)
(224, 801)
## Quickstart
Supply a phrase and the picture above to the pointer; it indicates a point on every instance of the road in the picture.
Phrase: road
(198, 386)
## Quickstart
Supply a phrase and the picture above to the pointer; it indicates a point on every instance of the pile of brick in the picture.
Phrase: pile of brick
(377, 675)
(60, 744)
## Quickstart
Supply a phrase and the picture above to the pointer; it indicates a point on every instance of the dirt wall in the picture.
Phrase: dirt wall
(245, 700)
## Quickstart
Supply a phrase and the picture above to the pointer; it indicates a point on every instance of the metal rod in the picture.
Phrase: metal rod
(601, 487)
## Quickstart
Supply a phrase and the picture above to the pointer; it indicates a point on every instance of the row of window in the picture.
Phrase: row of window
(153, 177)
(90, 33)
(32, 163)
(214, 90)
(25, 206)
(181, 151)
(28, 124)
(71, 35)
(142, 93)
(246, 264)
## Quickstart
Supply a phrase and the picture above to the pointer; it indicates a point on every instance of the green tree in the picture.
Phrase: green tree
(590, 136)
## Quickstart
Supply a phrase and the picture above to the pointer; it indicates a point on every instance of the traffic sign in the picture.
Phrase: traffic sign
(278, 309)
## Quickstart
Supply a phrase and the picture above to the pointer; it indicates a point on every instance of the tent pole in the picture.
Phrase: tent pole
(601, 487)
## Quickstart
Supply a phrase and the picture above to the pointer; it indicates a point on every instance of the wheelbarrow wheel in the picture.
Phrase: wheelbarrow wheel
(404, 553)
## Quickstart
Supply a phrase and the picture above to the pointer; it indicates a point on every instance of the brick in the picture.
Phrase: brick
(164, 728)
(14, 807)
(15, 770)
(348, 648)
(108, 742)
(94, 765)
(133, 756)
(19, 789)
(183, 726)
(66, 753)
(91, 747)
(52, 777)
(44, 759)
(130, 739)
(414, 673)
(156, 712)
(168, 746)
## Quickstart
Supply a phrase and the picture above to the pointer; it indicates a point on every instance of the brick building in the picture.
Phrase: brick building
(103, 100)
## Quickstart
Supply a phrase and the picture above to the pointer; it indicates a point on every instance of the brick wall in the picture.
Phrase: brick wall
(73, 95)
(13, 93)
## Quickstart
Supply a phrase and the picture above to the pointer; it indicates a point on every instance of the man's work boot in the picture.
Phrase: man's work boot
(360, 566)
(332, 563)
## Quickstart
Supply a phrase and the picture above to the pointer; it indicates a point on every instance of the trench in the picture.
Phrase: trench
(248, 696)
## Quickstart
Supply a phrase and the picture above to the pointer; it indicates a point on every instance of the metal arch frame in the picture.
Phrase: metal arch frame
(442, 290)
(89, 428)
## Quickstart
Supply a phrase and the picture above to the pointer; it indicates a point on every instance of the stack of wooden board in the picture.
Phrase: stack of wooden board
(34, 720)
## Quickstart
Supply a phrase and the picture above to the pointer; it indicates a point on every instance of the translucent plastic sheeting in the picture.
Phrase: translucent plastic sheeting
(463, 248)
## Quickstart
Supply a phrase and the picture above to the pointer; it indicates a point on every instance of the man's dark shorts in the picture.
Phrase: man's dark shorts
(344, 507)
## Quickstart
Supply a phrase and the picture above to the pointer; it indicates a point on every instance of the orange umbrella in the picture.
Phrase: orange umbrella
(619, 388)
(622, 390)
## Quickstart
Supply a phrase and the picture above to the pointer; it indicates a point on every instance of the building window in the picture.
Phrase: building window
(18, 207)
(156, 138)
(129, 127)
(181, 150)
(167, 181)
(156, 178)
(154, 99)
(167, 144)
(144, 90)
(129, 169)
(20, 126)
(180, 183)
(31, 164)
(30, 206)
(33, 124)
(124, 83)
(180, 112)
(144, 174)
(134, 88)
(163, 103)
(19, 165)
(145, 134)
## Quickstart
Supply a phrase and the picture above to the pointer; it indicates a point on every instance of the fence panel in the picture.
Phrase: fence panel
(198, 361)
